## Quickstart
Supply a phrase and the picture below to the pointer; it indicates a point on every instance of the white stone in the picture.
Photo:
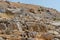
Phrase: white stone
(1, 38)
(57, 23)
(53, 32)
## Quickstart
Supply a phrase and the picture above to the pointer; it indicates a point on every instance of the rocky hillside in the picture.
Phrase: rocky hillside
(20, 21)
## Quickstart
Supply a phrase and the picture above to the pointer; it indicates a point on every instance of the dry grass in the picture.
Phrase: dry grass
(45, 36)
(7, 16)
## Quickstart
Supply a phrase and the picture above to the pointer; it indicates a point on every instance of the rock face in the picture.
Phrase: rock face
(20, 21)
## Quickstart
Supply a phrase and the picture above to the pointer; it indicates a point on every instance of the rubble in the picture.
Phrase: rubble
(28, 22)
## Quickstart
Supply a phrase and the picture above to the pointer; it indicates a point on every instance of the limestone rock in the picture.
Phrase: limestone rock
(20, 21)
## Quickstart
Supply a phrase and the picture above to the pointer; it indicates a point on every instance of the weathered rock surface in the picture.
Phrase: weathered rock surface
(20, 21)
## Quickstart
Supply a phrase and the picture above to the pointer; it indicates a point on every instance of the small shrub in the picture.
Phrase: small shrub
(39, 10)
(31, 10)
(47, 10)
